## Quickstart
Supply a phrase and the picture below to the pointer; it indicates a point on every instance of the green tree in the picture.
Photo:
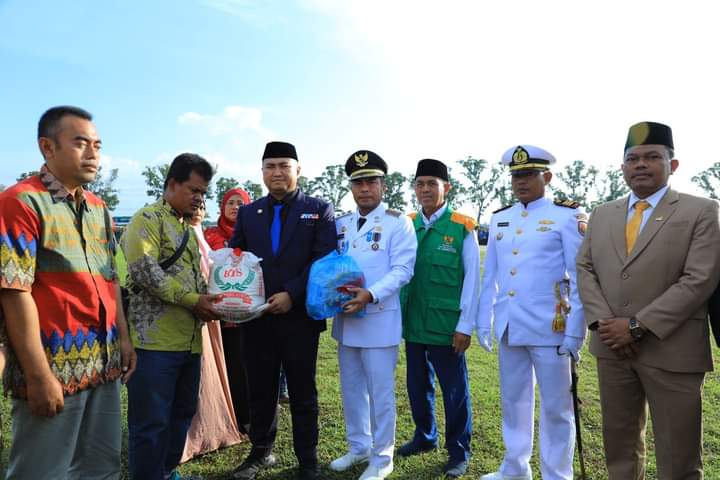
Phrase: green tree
(502, 191)
(481, 182)
(155, 180)
(253, 189)
(331, 185)
(25, 175)
(610, 187)
(709, 181)
(105, 189)
(414, 205)
(576, 182)
(456, 195)
(395, 191)
(222, 185)
(304, 185)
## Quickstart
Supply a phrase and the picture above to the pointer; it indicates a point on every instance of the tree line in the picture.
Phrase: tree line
(476, 184)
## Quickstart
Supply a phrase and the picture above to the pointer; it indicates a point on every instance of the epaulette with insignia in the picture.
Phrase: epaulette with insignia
(393, 213)
(469, 222)
(503, 208)
(343, 215)
(566, 203)
(412, 215)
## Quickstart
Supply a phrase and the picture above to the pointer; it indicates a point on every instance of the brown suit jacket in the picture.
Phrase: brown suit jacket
(665, 282)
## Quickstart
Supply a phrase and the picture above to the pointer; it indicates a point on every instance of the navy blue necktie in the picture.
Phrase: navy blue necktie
(275, 228)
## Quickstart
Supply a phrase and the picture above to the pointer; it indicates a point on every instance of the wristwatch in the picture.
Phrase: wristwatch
(636, 330)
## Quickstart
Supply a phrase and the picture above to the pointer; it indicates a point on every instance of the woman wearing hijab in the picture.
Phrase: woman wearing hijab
(213, 425)
(232, 337)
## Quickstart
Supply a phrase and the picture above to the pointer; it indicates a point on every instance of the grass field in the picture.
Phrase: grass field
(486, 442)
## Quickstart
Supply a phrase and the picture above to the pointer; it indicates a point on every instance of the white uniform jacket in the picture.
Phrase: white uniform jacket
(530, 251)
(385, 249)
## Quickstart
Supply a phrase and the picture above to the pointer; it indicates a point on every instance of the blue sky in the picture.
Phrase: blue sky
(406, 79)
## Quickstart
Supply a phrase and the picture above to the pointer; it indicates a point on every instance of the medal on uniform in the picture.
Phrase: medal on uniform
(544, 229)
(376, 239)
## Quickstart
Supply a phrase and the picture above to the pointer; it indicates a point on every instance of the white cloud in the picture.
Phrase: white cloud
(470, 77)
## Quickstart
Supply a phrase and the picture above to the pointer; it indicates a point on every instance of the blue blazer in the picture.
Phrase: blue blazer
(307, 234)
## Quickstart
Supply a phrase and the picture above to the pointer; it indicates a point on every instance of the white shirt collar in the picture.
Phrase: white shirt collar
(653, 199)
(535, 204)
(433, 218)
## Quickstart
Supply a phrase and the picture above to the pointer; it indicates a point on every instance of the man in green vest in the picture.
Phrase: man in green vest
(439, 306)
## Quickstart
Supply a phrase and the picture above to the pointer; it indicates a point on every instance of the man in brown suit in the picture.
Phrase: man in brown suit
(646, 269)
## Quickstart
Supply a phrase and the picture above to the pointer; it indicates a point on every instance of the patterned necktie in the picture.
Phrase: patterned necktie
(632, 229)
(361, 222)
(275, 228)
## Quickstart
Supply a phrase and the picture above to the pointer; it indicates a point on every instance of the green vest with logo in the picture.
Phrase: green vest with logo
(431, 301)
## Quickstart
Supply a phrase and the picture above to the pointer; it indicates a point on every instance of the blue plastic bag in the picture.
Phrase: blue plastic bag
(326, 290)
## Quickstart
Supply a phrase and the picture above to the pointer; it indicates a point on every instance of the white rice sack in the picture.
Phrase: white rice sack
(238, 276)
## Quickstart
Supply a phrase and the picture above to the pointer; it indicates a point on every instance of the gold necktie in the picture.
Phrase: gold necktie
(632, 229)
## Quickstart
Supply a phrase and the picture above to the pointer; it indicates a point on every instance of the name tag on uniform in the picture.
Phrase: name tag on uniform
(310, 216)
(503, 224)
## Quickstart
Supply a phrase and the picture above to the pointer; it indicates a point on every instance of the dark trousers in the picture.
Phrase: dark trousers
(233, 346)
(423, 363)
(264, 353)
(162, 399)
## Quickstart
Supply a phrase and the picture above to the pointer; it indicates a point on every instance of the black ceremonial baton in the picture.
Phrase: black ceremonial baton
(576, 410)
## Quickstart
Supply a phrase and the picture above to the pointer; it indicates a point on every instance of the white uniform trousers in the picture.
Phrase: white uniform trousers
(367, 380)
(519, 369)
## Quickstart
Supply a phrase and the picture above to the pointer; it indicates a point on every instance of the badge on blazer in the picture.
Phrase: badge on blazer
(259, 210)
(375, 246)
(582, 227)
(447, 245)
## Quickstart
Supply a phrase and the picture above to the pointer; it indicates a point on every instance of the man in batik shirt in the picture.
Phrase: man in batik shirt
(166, 311)
(68, 341)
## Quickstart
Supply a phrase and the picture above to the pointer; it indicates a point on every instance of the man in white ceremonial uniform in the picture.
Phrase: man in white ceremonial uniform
(529, 294)
(383, 244)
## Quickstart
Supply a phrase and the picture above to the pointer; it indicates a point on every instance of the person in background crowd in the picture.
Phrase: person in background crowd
(213, 425)
(288, 230)
(232, 336)
(382, 242)
(168, 304)
(68, 339)
(646, 269)
(439, 307)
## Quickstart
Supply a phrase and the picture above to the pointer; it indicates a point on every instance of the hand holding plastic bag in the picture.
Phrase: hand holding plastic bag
(327, 284)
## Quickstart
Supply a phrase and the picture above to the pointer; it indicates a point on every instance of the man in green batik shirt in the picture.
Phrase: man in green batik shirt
(166, 311)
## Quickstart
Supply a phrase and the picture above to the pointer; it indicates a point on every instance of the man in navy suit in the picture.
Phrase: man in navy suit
(288, 231)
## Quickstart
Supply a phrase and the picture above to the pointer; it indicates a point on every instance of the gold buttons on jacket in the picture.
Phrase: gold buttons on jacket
(518, 231)
(625, 276)
(515, 251)
(513, 271)
(511, 293)
(524, 213)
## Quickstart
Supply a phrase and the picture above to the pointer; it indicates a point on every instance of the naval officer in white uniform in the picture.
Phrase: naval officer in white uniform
(529, 295)
(383, 243)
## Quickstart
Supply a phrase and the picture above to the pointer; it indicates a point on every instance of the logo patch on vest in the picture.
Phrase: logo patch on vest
(447, 245)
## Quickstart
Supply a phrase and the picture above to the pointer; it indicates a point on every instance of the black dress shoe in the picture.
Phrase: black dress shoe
(413, 448)
(249, 469)
(308, 472)
(455, 469)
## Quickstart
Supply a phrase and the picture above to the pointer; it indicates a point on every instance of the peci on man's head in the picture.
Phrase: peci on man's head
(187, 182)
(649, 158)
(70, 145)
(432, 185)
(280, 168)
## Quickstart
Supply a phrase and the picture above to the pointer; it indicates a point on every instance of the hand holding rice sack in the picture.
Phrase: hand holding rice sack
(328, 282)
(237, 275)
